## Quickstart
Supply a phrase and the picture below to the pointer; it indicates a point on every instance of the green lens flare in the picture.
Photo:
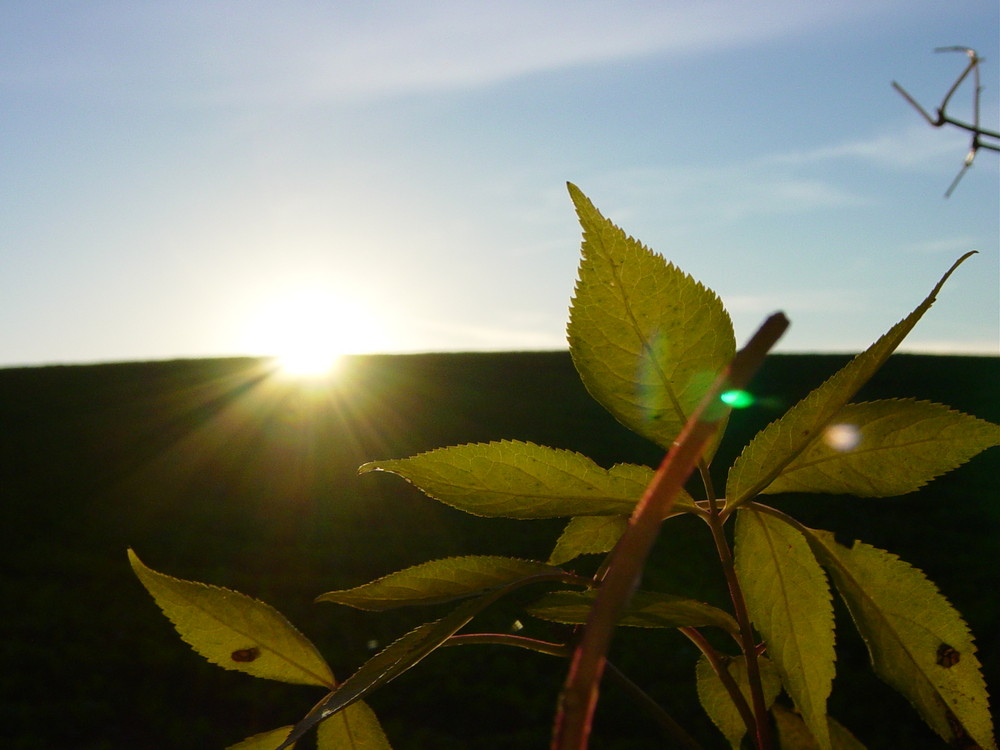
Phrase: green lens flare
(737, 399)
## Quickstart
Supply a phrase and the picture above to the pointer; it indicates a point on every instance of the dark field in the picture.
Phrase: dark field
(215, 470)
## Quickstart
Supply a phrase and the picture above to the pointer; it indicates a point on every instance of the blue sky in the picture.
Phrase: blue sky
(194, 179)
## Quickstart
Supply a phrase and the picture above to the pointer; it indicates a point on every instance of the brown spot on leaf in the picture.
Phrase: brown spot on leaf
(947, 656)
(245, 654)
(960, 738)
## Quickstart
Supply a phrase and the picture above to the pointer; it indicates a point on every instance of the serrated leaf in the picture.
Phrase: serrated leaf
(717, 702)
(917, 641)
(782, 441)
(394, 660)
(884, 448)
(647, 340)
(354, 728)
(588, 535)
(793, 734)
(441, 581)
(264, 740)
(234, 630)
(647, 609)
(522, 480)
(788, 598)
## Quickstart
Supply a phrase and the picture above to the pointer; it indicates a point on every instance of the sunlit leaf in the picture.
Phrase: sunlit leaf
(646, 338)
(394, 660)
(788, 598)
(354, 728)
(441, 581)
(917, 641)
(793, 734)
(717, 702)
(782, 441)
(648, 609)
(884, 448)
(264, 740)
(235, 631)
(588, 535)
(523, 480)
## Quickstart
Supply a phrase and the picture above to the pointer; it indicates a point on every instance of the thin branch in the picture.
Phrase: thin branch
(943, 118)
(579, 696)
(719, 667)
(761, 729)
(667, 722)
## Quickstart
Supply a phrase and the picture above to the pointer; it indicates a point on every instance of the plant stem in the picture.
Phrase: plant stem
(761, 728)
(506, 639)
(579, 696)
(640, 696)
(719, 667)
(654, 709)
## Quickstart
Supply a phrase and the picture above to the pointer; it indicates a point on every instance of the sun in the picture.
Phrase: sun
(308, 331)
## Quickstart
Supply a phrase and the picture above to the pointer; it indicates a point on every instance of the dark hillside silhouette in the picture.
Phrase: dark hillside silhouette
(219, 471)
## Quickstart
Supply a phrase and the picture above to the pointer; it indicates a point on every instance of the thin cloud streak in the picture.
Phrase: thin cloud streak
(910, 147)
(231, 53)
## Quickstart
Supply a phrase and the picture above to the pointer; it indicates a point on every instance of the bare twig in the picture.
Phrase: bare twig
(942, 117)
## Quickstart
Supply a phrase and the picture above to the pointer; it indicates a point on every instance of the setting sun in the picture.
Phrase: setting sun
(309, 330)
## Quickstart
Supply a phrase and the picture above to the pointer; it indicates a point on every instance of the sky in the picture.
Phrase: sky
(192, 179)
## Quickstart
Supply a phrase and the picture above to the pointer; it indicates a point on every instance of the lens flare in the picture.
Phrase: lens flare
(737, 399)
(842, 437)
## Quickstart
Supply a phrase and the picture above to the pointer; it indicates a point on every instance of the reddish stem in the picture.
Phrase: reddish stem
(580, 693)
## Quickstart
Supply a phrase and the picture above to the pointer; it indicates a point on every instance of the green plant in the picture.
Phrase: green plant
(657, 349)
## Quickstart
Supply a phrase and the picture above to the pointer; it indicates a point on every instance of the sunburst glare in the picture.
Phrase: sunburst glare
(310, 330)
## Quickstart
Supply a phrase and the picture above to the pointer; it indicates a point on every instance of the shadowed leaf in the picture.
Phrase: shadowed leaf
(788, 598)
(884, 448)
(235, 631)
(588, 535)
(394, 660)
(918, 643)
(647, 610)
(646, 338)
(717, 702)
(793, 734)
(263, 741)
(782, 441)
(441, 581)
(522, 480)
(354, 728)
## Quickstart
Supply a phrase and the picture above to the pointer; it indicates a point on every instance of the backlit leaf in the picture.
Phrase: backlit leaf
(235, 631)
(782, 441)
(917, 641)
(646, 338)
(788, 598)
(717, 702)
(588, 535)
(394, 660)
(441, 581)
(648, 609)
(264, 740)
(354, 728)
(884, 448)
(523, 480)
(793, 734)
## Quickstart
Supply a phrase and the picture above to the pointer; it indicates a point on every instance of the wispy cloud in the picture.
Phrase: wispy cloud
(946, 246)
(722, 192)
(798, 301)
(328, 52)
(912, 146)
(437, 334)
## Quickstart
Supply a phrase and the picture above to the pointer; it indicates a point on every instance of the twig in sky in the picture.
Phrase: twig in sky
(943, 118)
